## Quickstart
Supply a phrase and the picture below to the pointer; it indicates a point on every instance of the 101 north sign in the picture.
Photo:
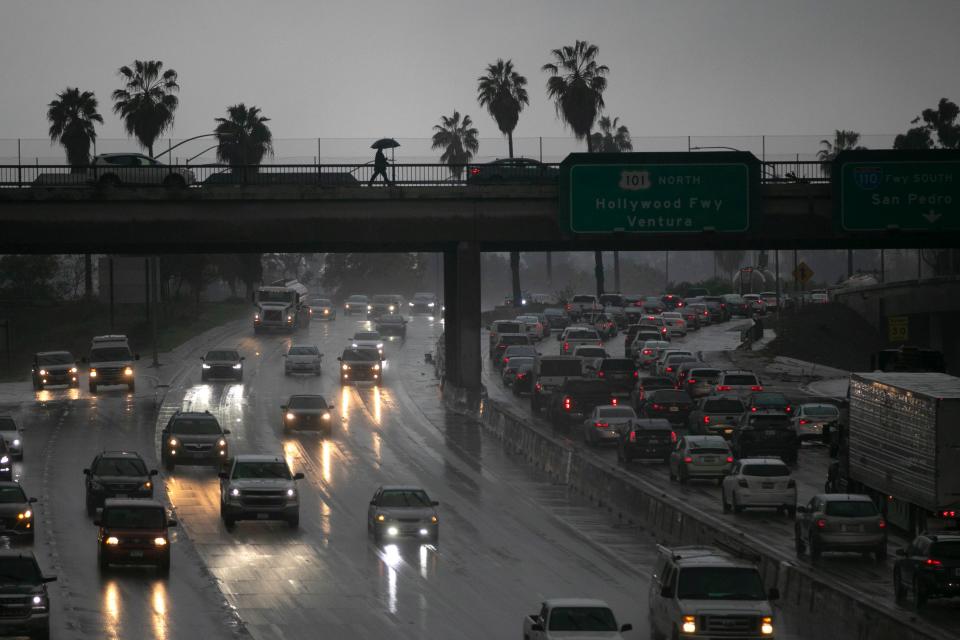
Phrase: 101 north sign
(911, 191)
(658, 192)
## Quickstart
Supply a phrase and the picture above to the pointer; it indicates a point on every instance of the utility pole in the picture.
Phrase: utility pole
(153, 269)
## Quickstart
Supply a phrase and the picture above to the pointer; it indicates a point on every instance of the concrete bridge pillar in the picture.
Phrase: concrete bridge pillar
(461, 287)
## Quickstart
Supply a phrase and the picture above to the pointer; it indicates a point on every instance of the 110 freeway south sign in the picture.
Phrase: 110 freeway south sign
(657, 192)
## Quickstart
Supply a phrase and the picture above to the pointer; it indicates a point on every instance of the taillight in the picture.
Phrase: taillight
(932, 562)
(521, 376)
(669, 369)
(821, 524)
(882, 524)
(655, 406)
(474, 171)
(804, 421)
(756, 387)
(538, 387)
(506, 360)
(568, 307)
(723, 387)
(614, 401)
(566, 346)
(730, 459)
(706, 419)
(601, 374)
(948, 514)
(688, 460)
(788, 409)
(673, 437)
(567, 403)
(601, 425)
(648, 352)
(754, 409)
(691, 381)
(636, 375)
(633, 436)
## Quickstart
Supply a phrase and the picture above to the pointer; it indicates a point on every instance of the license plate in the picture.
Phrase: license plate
(770, 432)
(850, 528)
(136, 554)
(674, 408)
(767, 485)
(708, 460)
(263, 516)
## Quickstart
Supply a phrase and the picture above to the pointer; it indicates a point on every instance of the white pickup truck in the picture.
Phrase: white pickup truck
(569, 618)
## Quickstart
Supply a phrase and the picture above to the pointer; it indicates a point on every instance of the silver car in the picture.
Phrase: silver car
(302, 359)
(759, 482)
(840, 522)
(12, 436)
(675, 323)
(740, 383)
(398, 512)
(700, 457)
(606, 422)
(810, 420)
(647, 352)
(259, 487)
(115, 169)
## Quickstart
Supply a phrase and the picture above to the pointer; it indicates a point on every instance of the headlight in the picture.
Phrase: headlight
(766, 626)
(4, 460)
(325, 416)
(291, 416)
(434, 519)
(112, 540)
(128, 371)
(221, 442)
(345, 367)
(369, 307)
(380, 518)
(689, 624)
(16, 443)
(160, 542)
(205, 365)
(256, 317)
(43, 372)
(392, 531)
(291, 493)
(376, 367)
(289, 318)
(380, 346)
(39, 603)
(93, 373)
(234, 492)
(431, 305)
(326, 311)
(238, 366)
(26, 515)
(410, 303)
(346, 306)
(173, 442)
(392, 308)
(73, 369)
(95, 485)
(147, 485)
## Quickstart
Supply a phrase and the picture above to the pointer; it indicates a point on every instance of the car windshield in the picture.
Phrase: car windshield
(949, 550)
(770, 422)
(850, 508)
(520, 350)
(657, 383)
(517, 362)
(707, 449)
(7, 424)
(195, 426)
(591, 352)
(583, 299)
(269, 470)
(55, 358)
(366, 335)
(670, 395)
(109, 354)
(723, 405)
(586, 386)
(360, 355)
(133, 518)
(582, 334)
(558, 368)
(770, 399)
(390, 319)
(707, 374)
(223, 355)
(12, 494)
(120, 467)
(403, 498)
(740, 379)
(19, 571)
(514, 339)
(720, 583)
(619, 412)
(322, 302)
(357, 299)
(382, 299)
(303, 351)
(507, 327)
(552, 312)
(582, 619)
(307, 402)
(821, 411)
(766, 470)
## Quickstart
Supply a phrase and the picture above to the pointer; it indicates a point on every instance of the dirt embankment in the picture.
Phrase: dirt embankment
(828, 334)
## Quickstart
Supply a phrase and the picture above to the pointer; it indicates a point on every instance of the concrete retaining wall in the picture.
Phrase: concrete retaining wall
(823, 610)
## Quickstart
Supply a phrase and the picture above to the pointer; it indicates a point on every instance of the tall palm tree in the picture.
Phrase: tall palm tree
(243, 137)
(613, 137)
(146, 103)
(576, 86)
(73, 116)
(503, 92)
(458, 139)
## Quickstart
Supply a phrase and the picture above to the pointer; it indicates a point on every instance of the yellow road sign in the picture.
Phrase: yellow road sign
(802, 273)
(898, 328)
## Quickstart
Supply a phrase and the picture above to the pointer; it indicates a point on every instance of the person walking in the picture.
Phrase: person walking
(380, 169)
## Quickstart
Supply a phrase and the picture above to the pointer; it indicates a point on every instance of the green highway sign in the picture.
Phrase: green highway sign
(654, 193)
(906, 190)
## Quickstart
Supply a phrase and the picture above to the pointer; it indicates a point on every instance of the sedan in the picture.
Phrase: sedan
(670, 404)
(811, 419)
(700, 457)
(307, 412)
(513, 366)
(648, 353)
(840, 522)
(512, 171)
(759, 482)
(222, 363)
(302, 359)
(675, 323)
(115, 169)
(397, 512)
(322, 309)
(605, 424)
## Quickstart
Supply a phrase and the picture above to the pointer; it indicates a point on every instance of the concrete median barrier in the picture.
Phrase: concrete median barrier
(826, 609)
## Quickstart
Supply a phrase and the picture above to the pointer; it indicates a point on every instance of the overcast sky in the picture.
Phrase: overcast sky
(365, 68)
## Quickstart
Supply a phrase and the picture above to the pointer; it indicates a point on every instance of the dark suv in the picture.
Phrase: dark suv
(134, 532)
(928, 568)
(769, 402)
(117, 474)
(193, 437)
(16, 514)
(766, 435)
(24, 599)
(54, 367)
(360, 364)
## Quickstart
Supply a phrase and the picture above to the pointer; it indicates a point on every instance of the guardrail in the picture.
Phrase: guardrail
(328, 175)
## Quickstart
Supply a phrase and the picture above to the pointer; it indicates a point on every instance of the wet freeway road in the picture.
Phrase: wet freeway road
(509, 537)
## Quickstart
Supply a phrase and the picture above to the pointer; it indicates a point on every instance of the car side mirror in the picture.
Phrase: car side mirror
(901, 552)
(31, 500)
(226, 432)
(223, 475)
(298, 476)
(283, 407)
(96, 523)
(373, 503)
(536, 626)
(202, 358)
(86, 472)
(83, 359)
(339, 358)
(435, 503)
(242, 358)
(666, 592)
(626, 627)
(46, 579)
(801, 509)
(331, 407)
(284, 356)
(153, 472)
(773, 595)
(171, 523)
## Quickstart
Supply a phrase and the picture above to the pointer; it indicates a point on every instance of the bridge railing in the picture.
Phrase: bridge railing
(330, 175)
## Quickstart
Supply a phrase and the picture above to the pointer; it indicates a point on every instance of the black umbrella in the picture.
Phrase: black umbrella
(385, 143)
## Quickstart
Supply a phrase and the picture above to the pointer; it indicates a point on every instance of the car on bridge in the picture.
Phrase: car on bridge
(398, 512)
(383, 304)
(136, 169)
(811, 419)
(644, 387)
(16, 512)
(769, 402)
(308, 411)
(556, 318)
(671, 404)
(193, 437)
(52, 368)
(368, 340)
(504, 341)
(770, 435)
(111, 363)
(512, 171)
(259, 487)
(356, 304)
(24, 591)
(222, 363)
(116, 474)
(716, 415)
(516, 373)
(134, 532)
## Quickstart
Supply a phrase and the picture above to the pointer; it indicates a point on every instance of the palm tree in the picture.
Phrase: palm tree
(458, 139)
(243, 137)
(576, 86)
(613, 137)
(503, 92)
(146, 103)
(842, 141)
(73, 115)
